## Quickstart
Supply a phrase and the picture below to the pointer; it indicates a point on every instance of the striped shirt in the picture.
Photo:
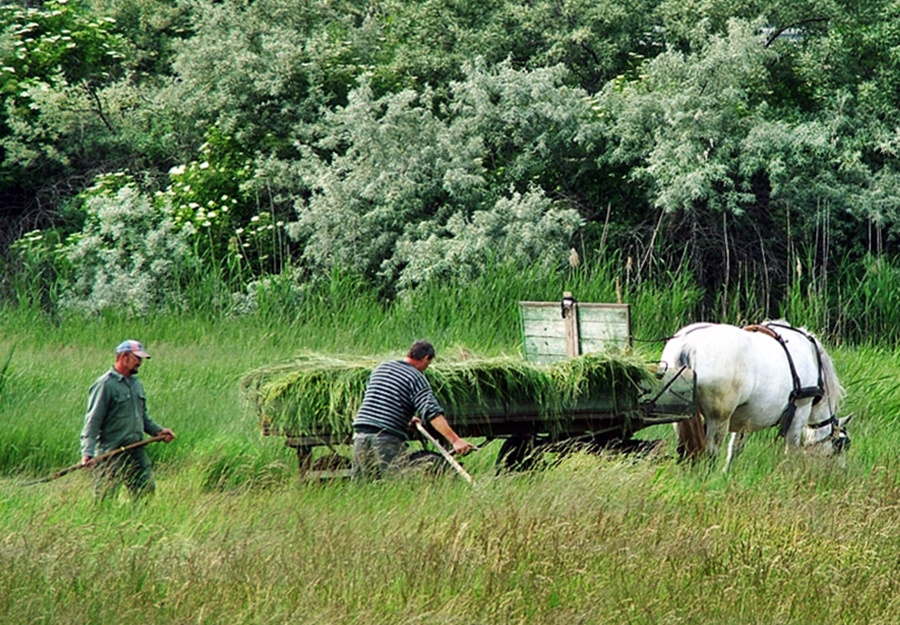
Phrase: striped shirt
(395, 393)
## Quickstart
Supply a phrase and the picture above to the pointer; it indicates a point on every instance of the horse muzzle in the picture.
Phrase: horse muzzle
(841, 443)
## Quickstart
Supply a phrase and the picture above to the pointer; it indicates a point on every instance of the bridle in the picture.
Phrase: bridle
(839, 442)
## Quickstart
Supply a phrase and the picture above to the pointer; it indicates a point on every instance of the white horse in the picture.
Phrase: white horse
(755, 378)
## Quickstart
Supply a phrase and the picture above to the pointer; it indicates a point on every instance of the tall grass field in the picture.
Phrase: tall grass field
(234, 536)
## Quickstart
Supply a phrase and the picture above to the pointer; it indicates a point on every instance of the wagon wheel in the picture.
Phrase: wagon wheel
(552, 452)
(520, 453)
(423, 463)
(329, 462)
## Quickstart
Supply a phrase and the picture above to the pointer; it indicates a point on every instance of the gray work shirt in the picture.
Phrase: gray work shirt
(116, 414)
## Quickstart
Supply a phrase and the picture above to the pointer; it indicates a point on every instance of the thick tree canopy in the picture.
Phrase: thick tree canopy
(410, 141)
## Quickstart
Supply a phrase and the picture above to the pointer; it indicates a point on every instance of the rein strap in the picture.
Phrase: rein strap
(800, 392)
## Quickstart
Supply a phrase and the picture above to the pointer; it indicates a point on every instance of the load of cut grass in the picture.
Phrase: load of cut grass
(315, 395)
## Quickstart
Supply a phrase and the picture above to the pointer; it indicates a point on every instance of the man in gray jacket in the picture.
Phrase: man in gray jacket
(117, 416)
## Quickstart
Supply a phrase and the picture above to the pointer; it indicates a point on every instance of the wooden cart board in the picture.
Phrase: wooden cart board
(548, 336)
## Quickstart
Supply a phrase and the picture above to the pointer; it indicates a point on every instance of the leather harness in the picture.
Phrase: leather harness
(800, 392)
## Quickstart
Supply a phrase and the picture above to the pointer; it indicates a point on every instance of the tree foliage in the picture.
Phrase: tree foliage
(403, 174)
(54, 62)
(406, 141)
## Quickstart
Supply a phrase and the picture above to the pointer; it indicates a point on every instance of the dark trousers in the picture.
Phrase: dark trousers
(132, 468)
(373, 454)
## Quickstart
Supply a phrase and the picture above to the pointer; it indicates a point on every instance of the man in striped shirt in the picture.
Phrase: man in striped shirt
(396, 392)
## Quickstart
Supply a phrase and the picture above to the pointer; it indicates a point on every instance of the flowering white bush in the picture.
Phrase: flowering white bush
(420, 190)
(282, 291)
(525, 229)
(126, 257)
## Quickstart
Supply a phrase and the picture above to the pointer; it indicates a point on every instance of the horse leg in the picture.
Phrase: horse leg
(716, 429)
(735, 447)
(691, 437)
(717, 409)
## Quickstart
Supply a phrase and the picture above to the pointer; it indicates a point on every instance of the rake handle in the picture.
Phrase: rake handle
(100, 458)
(453, 463)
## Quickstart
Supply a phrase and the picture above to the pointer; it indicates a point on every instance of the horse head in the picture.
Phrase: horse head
(829, 437)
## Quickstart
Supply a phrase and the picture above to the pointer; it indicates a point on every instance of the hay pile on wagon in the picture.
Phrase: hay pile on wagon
(316, 395)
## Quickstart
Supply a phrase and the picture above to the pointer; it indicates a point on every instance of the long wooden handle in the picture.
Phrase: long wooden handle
(101, 457)
(453, 463)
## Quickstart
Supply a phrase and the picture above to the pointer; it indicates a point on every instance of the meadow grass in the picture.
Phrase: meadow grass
(233, 536)
(594, 540)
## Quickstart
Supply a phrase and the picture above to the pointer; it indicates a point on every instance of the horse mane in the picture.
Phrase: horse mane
(834, 391)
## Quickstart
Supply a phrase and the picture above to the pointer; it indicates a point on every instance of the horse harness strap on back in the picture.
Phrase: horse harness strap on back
(799, 392)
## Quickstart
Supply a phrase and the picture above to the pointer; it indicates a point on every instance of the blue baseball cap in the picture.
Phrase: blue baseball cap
(132, 346)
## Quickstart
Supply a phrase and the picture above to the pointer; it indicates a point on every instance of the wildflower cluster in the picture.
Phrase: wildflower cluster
(212, 209)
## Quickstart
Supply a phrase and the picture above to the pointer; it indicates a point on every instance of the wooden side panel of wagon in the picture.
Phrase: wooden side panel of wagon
(548, 335)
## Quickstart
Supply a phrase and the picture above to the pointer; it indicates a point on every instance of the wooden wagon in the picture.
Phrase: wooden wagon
(605, 412)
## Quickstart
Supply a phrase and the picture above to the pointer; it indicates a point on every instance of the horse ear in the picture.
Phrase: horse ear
(842, 421)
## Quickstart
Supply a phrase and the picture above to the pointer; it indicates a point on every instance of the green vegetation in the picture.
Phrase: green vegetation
(596, 540)
(233, 536)
(292, 190)
(219, 157)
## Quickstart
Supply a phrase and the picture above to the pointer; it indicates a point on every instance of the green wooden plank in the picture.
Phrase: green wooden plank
(600, 326)
(544, 349)
(594, 346)
(545, 330)
(603, 311)
(603, 323)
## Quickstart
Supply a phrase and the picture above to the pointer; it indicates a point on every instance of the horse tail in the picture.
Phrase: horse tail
(691, 433)
(691, 437)
(834, 392)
